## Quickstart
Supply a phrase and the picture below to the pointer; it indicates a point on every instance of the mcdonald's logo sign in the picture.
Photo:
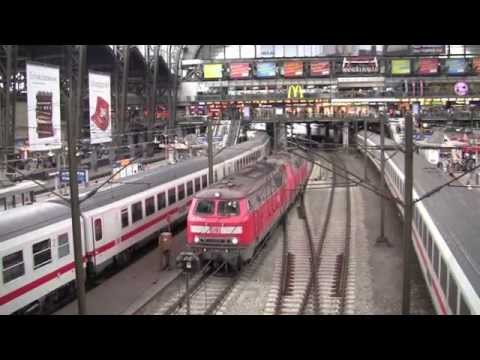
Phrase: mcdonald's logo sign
(295, 92)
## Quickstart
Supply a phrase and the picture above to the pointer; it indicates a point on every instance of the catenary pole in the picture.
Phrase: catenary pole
(408, 209)
(381, 237)
(76, 116)
(210, 150)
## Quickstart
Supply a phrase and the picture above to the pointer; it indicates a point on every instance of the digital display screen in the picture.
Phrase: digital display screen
(476, 65)
(428, 66)
(401, 67)
(456, 66)
(212, 71)
(319, 68)
(239, 70)
(293, 69)
(266, 70)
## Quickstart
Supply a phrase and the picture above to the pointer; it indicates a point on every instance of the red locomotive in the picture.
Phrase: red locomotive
(227, 221)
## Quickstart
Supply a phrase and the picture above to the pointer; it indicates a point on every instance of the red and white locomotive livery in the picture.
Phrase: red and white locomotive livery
(227, 221)
(36, 244)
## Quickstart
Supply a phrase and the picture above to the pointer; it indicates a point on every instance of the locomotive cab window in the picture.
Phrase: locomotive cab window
(42, 253)
(63, 248)
(149, 206)
(13, 266)
(228, 208)
(189, 188)
(205, 207)
(98, 229)
(137, 212)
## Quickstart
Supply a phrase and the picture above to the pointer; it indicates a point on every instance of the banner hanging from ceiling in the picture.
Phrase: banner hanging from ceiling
(43, 101)
(100, 109)
(266, 70)
(293, 69)
(239, 70)
(428, 66)
(456, 66)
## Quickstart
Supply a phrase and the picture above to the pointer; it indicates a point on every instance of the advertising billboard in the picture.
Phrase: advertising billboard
(319, 68)
(401, 67)
(239, 70)
(427, 66)
(43, 102)
(428, 49)
(293, 69)
(476, 65)
(212, 71)
(100, 108)
(360, 64)
(266, 70)
(456, 66)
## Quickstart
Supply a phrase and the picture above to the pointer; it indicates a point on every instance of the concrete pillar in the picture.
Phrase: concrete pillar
(345, 135)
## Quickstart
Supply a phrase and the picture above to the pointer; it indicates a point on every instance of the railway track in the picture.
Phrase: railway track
(311, 277)
(208, 291)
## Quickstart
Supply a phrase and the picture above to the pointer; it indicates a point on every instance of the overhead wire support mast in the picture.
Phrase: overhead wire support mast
(75, 115)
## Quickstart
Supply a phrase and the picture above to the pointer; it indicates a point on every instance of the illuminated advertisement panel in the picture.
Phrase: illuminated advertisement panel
(266, 70)
(456, 66)
(100, 101)
(401, 67)
(427, 66)
(476, 65)
(212, 71)
(239, 70)
(428, 49)
(293, 69)
(319, 68)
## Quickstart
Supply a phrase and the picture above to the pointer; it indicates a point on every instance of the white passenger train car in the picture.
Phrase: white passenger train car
(445, 230)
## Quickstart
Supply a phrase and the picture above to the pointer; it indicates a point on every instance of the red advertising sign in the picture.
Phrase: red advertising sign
(427, 66)
(239, 70)
(476, 65)
(319, 68)
(293, 69)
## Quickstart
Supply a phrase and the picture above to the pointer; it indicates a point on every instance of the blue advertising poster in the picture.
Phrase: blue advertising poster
(82, 176)
(266, 70)
(455, 66)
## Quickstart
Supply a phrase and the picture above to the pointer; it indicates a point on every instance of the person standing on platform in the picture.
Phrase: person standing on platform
(165, 243)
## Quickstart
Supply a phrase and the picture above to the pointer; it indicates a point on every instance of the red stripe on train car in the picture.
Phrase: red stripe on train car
(34, 284)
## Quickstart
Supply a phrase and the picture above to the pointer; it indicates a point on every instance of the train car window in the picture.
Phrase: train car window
(216, 176)
(204, 181)
(228, 208)
(443, 275)
(172, 197)
(13, 266)
(205, 207)
(161, 201)
(464, 310)
(197, 184)
(149, 206)
(124, 215)
(3, 203)
(452, 294)
(42, 253)
(137, 212)
(435, 257)
(181, 192)
(63, 247)
(189, 188)
(429, 244)
(98, 229)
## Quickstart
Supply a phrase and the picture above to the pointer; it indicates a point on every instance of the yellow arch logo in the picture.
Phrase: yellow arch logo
(295, 92)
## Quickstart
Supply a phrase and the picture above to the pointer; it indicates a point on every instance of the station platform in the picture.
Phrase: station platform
(128, 289)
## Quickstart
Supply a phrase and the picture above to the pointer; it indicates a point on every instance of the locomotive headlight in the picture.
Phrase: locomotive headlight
(196, 239)
(234, 241)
